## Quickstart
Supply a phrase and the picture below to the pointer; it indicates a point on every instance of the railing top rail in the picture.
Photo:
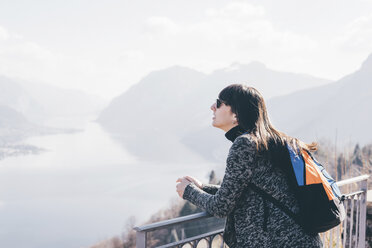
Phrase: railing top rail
(352, 180)
(184, 241)
(192, 217)
(171, 222)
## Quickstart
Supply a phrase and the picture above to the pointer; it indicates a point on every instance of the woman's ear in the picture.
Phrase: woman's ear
(235, 120)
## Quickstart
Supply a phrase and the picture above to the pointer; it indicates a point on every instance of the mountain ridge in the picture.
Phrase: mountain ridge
(178, 114)
(328, 111)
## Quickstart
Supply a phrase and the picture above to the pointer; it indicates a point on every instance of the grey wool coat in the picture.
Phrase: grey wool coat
(251, 221)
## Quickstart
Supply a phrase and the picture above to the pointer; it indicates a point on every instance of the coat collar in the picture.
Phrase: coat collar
(234, 132)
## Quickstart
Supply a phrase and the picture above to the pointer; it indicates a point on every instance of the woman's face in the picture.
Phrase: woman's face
(223, 118)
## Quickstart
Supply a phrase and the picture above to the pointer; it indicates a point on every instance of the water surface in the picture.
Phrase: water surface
(81, 191)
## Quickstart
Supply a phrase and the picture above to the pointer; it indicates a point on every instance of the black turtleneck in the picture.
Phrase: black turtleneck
(234, 132)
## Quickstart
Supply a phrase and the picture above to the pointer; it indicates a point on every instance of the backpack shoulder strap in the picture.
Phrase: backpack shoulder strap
(277, 203)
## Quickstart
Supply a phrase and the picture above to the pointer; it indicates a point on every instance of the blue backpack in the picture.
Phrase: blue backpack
(320, 200)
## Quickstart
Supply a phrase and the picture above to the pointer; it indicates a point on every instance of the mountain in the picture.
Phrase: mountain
(340, 110)
(167, 115)
(150, 117)
(10, 118)
(13, 128)
(40, 103)
(33, 109)
(14, 96)
(161, 99)
(269, 82)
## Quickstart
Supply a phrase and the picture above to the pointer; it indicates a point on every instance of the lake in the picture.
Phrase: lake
(82, 190)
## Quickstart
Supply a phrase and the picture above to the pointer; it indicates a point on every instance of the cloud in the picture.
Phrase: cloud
(131, 55)
(238, 31)
(102, 74)
(357, 35)
(28, 60)
(234, 25)
(244, 23)
(160, 25)
(4, 35)
(237, 10)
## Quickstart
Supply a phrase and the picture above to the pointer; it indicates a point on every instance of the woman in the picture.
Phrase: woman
(255, 157)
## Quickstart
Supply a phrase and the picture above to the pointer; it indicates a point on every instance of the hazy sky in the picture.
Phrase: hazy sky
(103, 47)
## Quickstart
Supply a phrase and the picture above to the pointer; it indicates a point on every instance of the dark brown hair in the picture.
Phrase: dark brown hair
(250, 109)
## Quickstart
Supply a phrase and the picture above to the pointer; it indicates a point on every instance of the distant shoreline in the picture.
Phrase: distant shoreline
(14, 150)
(17, 148)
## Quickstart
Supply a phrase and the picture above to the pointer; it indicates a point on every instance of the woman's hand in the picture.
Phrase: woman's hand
(181, 185)
(195, 181)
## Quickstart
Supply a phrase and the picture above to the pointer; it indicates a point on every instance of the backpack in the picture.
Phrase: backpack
(320, 200)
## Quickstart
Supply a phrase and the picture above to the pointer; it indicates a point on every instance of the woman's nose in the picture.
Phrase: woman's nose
(213, 107)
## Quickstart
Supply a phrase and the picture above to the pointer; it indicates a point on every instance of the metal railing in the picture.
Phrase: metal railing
(351, 232)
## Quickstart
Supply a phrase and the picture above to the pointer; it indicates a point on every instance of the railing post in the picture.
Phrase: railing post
(141, 239)
(363, 214)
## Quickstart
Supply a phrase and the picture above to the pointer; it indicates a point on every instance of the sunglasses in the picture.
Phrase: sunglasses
(219, 102)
